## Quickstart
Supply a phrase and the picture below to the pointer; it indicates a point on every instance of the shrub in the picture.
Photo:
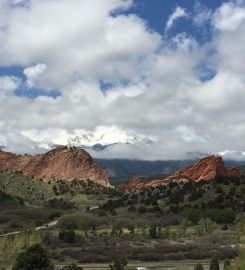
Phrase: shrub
(67, 236)
(227, 263)
(118, 264)
(198, 267)
(34, 257)
(214, 264)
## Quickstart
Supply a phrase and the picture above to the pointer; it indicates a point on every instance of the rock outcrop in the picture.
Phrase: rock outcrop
(205, 169)
(61, 163)
(135, 183)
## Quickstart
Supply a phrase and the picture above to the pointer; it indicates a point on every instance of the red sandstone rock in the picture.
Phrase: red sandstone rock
(205, 169)
(135, 183)
(234, 171)
(61, 163)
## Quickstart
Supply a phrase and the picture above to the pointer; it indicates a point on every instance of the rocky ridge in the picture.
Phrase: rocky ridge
(61, 163)
(206, 169)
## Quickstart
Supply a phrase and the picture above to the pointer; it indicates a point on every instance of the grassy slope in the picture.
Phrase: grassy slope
(25, 187)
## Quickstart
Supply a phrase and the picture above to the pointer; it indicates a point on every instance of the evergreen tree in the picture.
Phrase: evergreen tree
(153, 231)
(214, 264)
(119, 264)
(227, 263)
(34, 257)
(198, 267)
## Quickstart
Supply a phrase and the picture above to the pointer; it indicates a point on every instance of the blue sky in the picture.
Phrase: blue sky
(162, 71)
(156, 14)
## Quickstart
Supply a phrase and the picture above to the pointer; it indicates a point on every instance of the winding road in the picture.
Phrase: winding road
(43, 227)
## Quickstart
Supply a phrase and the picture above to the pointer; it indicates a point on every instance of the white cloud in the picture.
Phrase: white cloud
(202, 14)
(229, 16)
(184, 42)
(155, 90)
(33, 74)
(8, 84)
(179, 12)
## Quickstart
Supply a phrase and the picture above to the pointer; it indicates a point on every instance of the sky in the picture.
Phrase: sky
(166, 75)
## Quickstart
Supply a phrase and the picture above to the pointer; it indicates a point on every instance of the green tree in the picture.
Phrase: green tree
(131, 228)
(227, 263)
(207, 225)
(153, 231)
(86, 224)
(67, 236)
(116, 231)
(214, 264)
(183, 226)
(72, 266)
(119, 264)
(198, 267)
(34, 257)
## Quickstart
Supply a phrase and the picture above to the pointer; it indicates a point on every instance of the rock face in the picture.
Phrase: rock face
(135, 183)
(205, 169)
(61, 163)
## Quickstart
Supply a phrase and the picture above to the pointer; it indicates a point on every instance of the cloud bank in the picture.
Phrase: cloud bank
(111, 70)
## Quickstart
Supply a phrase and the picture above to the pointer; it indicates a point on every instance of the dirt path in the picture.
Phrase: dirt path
(43, 227)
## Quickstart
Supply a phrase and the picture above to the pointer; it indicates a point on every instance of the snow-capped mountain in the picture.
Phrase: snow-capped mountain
(103, 138)
(226, 155)
(97, 140)
(232, 155)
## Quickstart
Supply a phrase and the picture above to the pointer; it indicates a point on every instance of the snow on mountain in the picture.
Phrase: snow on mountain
(101, 138)
(232, 155)
(105, 137)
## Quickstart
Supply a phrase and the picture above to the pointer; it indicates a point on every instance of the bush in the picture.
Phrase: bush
(118, 264)
(34, 257)
(67, 236)
(198, 267)
(214, 264)
(227, 263)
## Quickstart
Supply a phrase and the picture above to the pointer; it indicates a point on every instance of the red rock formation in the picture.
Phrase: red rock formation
(61, 163)
(234, 171)
(135, 183)
(156, 182)
(205, 169)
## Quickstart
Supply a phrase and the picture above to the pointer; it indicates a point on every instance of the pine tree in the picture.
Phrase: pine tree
(214, 264)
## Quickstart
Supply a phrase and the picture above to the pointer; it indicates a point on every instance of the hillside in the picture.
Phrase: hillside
(61, 163)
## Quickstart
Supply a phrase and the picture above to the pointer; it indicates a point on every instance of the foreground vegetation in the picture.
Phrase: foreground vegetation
(174, 222)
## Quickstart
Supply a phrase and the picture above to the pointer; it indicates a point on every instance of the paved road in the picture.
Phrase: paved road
(43, 227)
(93, 208)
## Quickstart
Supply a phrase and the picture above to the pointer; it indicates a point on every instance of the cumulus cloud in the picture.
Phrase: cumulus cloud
(178, 13)
(33, 74)
(184, 42)
(154, 89)
(8, 84)
(229, 16)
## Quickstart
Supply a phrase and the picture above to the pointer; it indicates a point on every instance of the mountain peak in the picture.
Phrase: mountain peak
(205, 169)
(60, 163)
